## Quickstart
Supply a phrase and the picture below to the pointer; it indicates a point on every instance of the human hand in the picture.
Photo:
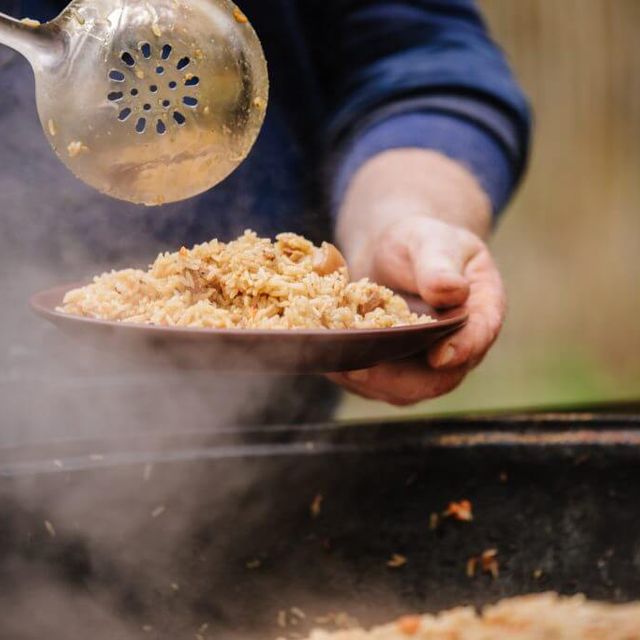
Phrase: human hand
(447, 266)
(438, 257)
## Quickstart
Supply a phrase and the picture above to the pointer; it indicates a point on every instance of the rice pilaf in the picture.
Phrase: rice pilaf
(543, 616)
(249, 283)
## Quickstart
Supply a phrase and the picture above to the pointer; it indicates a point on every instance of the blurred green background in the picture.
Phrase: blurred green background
(569, 245)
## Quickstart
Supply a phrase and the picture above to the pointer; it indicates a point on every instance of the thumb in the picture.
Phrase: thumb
(439, 262)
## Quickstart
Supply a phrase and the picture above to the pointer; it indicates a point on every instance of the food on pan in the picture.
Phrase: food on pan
(396, 561)
(532, 617)
(487, 561)
(461, 511)
(250, 283)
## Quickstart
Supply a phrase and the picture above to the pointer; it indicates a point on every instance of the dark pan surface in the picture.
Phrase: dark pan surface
(247, 350)
(556, 494)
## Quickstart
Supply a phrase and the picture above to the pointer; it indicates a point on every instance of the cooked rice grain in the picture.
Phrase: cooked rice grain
(250, 283)
(533, 617)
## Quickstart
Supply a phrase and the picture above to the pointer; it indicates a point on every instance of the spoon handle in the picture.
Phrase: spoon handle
(34, 41)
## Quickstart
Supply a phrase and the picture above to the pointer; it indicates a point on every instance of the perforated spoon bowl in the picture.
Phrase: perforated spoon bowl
(147, 101)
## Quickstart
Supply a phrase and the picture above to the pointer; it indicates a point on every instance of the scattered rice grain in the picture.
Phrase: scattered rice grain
(396, 561)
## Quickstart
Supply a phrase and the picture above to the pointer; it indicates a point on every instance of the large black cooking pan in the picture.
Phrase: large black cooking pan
(226, 529)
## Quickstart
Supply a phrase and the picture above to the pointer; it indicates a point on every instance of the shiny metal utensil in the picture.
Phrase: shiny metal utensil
(149, 101)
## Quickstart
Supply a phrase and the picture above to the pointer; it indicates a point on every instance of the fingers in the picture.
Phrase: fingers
(486, 306)
(448, 267)
(439, 278)
(400, 383)
(439, 263)
(427, 259)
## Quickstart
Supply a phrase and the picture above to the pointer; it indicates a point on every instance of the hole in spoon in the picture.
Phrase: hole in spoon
(160, 127)
(159, 70)
(141, 125)
(127, 58)
(166, 51)
(145, 48)
(114, 96)
(153, 88)
(192, 82)
(124, 114)
(179, 118)
(166, 103)
(116, 75)
(147, 107)
(134, 92)
(182, 63)
(189, 101)
(173, 84)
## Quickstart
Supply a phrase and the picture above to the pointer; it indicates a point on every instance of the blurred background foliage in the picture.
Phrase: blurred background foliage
(569, 245)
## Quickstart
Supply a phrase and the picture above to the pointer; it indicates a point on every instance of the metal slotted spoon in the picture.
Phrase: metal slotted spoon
(149, 101)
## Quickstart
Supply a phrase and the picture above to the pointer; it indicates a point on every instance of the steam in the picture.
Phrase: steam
(120, 486)
(112, 493)
(114, 523)
(102, 527)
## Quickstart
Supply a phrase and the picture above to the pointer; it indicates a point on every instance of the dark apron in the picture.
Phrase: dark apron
(55, 229)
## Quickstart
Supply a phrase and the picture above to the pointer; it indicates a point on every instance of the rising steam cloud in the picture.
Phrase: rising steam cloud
(83, 429)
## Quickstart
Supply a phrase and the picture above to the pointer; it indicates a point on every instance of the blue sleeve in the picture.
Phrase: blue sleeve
(425, 74)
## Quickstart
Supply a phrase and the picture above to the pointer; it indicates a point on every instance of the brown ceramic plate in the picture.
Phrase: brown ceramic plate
(296, 351)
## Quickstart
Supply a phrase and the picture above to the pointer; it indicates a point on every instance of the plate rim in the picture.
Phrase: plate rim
(46, 311)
